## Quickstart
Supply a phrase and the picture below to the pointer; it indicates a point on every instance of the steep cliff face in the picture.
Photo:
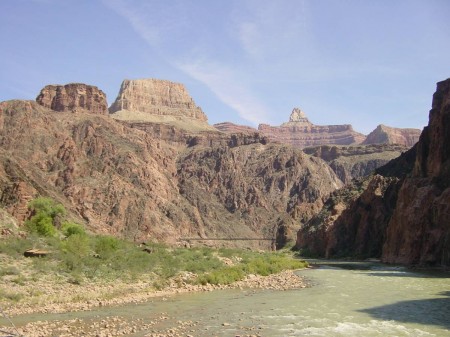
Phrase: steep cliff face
(144, 98)
(353, 221)
(404, 215)
(150, 181)
(266, 188)
(353, 162)
(73, 97)
(113, 178)
(419, 230)
(300, 132)
(387, 135)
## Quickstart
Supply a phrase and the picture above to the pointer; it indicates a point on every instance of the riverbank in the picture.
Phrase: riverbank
(46, 296)
(69, 298)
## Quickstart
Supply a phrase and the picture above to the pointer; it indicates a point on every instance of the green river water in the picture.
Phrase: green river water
(345, 299)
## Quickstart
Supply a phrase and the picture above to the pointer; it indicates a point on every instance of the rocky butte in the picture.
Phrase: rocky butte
(401, 214)
(300, 132)
(387, 135)
(159, 101)
(73, 97)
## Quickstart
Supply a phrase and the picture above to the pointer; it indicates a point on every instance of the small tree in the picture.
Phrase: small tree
(45, 213)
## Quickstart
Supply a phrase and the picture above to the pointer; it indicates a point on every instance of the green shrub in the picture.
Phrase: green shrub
(226, 275)
(47, 206)
(45, 213)
(105, 246)
(74, 253)
(70, 228)
(16, 246)
(41, 224)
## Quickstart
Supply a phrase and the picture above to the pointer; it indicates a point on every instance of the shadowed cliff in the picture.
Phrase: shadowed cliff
(401, 214)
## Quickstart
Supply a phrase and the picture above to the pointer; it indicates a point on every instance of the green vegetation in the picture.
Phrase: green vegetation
(46, 213)
(79, 256)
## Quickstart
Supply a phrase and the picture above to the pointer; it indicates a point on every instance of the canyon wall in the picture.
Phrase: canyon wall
(354, 162)
(401, 213)
(419, 230)
(149, 180)
(301, 133)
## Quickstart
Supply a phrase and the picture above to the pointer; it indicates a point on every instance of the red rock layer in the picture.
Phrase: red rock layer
(228, 127)
(387, 135)
(74, 97)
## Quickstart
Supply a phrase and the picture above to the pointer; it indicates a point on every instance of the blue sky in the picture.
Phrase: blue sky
(246, 61)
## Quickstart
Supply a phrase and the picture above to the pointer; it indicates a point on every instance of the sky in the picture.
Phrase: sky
(355, 62)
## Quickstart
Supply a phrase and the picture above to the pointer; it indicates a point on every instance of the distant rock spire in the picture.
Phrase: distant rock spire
(297, 115)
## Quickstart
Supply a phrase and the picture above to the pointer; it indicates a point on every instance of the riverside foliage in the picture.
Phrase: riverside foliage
(80, 256)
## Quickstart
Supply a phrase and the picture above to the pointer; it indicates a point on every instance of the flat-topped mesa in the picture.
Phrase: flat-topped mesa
(156, 97)
(388, 135)
(300, 132)
(73, 97)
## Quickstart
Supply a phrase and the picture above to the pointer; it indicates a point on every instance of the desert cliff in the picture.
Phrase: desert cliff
(399, 215)
(150, 179)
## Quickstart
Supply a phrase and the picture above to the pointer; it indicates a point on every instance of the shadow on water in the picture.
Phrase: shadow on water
(435, 311)
(411, 273)
(376, 268)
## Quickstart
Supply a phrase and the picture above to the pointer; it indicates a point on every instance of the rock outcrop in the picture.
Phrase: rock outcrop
(403, 214)
(228, 127)
(300, 132)
(354, 162)
(353, 221)
(265, 187)
(154, 181)
(419, 230)
(387, 135)
(157, 98)
(73, 97)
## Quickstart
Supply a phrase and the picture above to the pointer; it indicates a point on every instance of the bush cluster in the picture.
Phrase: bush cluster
(83, 256)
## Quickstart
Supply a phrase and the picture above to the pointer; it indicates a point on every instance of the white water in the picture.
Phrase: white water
(345, 299)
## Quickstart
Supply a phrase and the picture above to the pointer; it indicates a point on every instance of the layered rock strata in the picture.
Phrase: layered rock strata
(73, 97)
(145, 181)
(300, 132)
(354, 162)
(156, 97)
(228, 127)
(387, 135)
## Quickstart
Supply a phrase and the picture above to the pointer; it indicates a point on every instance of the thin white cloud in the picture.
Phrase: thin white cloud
(267, 29)
(217, 76)
(132, 13)
(227, 86)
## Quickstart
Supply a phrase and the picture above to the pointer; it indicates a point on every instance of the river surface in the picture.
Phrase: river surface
(345, 299)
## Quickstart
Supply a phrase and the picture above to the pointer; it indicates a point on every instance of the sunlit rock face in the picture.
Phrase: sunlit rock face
(387, 135)
(73, 97)
(157, 97)
(301, 133)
